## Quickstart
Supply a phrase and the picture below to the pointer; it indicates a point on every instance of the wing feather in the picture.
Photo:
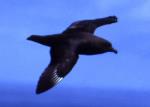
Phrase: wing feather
(62, 61)
(90, 25)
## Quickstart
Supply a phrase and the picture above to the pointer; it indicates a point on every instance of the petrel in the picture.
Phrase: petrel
(77, 39)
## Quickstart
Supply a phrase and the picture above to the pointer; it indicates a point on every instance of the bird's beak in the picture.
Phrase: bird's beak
(114, 50)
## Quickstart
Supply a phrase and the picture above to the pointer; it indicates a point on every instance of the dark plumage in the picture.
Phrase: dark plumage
(66, 47)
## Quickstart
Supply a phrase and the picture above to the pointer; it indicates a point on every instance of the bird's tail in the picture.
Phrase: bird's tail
(44, 40)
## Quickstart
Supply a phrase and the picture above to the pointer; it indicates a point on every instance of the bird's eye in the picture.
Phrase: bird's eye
(108, 45)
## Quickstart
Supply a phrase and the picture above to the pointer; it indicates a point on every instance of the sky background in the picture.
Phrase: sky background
(23, 61)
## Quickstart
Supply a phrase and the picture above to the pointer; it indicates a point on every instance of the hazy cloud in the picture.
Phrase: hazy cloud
(142, 11)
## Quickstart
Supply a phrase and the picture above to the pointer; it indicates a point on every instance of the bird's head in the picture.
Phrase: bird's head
(109, 48)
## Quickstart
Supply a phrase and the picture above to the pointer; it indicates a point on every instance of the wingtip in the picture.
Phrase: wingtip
(114, 18)
(29, 38)
(38, 92)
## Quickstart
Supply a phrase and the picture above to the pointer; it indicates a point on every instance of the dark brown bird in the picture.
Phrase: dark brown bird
(77, 39)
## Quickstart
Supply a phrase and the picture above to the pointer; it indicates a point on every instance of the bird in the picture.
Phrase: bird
(66, 47)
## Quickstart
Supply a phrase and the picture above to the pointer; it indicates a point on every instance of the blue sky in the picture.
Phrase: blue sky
(22, 61)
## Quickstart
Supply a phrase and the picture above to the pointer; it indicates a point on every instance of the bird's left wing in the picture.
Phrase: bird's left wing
(90, 25)
(62, 61)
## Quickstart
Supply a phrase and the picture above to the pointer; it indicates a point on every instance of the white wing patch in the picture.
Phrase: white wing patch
(55, 77)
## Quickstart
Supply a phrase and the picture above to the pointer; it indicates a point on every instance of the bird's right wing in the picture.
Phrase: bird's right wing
(91, 25)
(62, 61)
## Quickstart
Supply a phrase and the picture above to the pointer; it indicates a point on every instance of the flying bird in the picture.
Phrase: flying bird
(77, 39)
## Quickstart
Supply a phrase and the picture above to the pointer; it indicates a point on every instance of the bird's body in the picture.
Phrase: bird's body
(77, 39)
